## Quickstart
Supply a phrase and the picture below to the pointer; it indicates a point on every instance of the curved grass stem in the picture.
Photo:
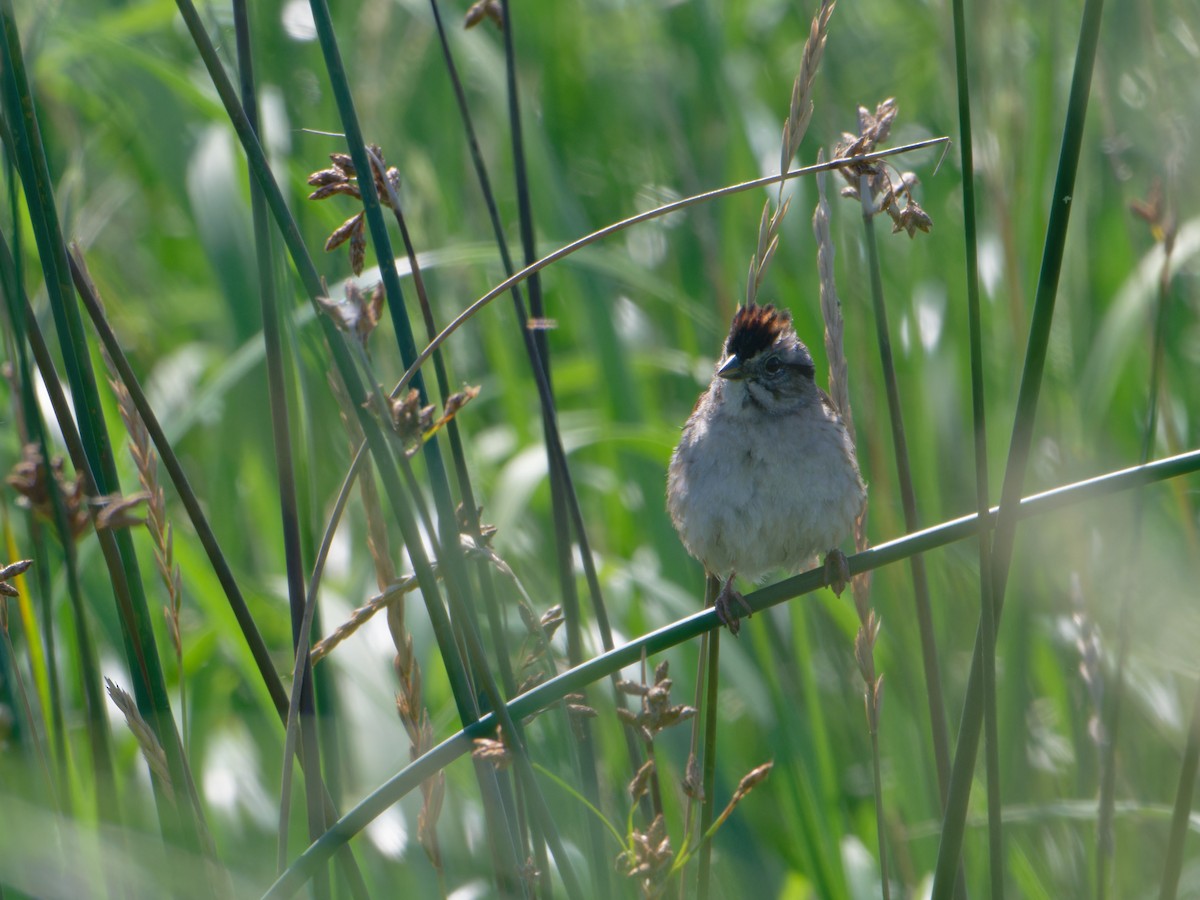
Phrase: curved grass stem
(685, 629)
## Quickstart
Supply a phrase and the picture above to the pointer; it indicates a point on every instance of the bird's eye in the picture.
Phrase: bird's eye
(773, 365)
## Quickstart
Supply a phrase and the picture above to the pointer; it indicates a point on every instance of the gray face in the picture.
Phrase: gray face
(764, 354)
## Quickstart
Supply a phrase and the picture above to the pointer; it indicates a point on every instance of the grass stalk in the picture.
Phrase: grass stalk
(950, 846)
(693, 771)
(469, 507)
(987, 619)
(285, 472)
(709, 756)
(99, 738)
(566, 510)
(109, 808)
(54, 790)
(32, 431)
(376, 442)
(908, 499)
(454, 570)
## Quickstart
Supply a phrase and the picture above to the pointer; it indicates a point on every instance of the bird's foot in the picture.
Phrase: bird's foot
(727, 605)
(837, 571)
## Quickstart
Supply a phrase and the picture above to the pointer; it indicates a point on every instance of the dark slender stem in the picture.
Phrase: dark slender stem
(929, 658)
(281, 433)
(709, 801)
(987, 619)
(560, 483)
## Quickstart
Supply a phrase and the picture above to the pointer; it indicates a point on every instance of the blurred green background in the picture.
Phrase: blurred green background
(626, 106)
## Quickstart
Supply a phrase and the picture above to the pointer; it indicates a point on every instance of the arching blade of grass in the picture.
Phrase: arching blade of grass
(656, 213)
(950, 846)
(706, 620)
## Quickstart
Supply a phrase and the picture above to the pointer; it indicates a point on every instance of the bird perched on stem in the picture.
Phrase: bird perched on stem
(765, 475)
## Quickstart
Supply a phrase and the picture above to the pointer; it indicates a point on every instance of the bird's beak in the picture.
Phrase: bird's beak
(732, 369)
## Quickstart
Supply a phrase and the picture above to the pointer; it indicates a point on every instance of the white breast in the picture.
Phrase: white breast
(751, 491)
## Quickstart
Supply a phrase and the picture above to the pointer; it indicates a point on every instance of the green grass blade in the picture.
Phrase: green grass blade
(979, 429)
(285, 471)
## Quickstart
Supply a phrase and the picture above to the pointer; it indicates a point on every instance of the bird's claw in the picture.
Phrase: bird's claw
(727, 606)
(837, 571)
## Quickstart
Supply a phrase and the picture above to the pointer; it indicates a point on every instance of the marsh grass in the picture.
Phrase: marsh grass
(517, 543)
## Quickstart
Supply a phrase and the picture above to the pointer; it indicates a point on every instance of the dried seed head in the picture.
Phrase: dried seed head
(12, 570)
(459, 399)
(342, 179)
(147, 740)
(913, 219)
(641, 781)
(492, 750)
(753, 779)
(344, 232)
(359, 313)
(693, 783)
(632, 688)
(358, 250)
(343, 188)
(117, 511)
(661, 670)
(484, 9)
(551, 620)
(648, 857)
(323, 177)
(30, 479)
(886, 191)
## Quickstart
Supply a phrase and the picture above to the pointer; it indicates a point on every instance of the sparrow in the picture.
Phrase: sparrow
(765, 476)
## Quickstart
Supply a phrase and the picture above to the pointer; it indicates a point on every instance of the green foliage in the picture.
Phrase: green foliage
(624, 107)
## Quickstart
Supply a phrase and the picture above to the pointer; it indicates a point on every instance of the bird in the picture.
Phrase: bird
(765, 475)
